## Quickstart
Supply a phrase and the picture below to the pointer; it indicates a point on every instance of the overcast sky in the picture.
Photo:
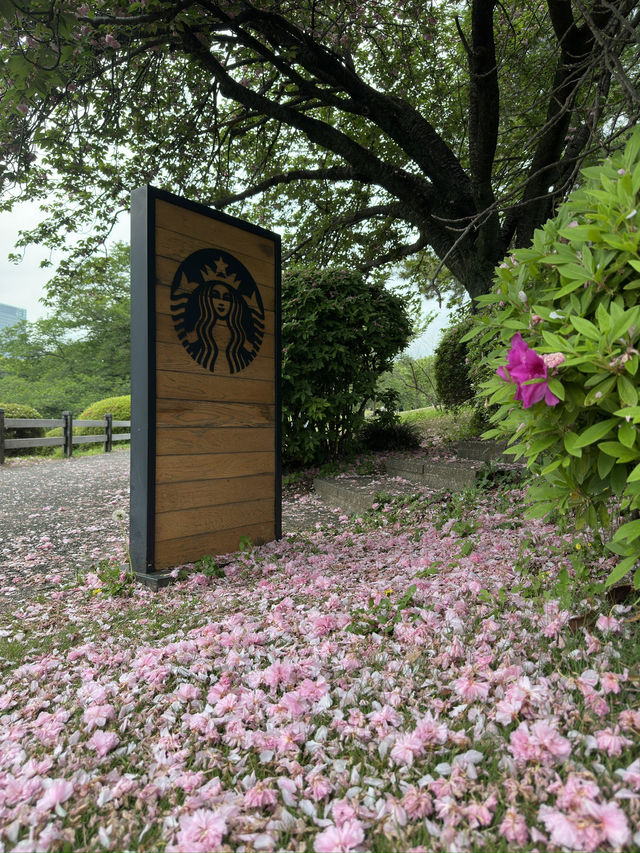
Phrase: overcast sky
(23, 284)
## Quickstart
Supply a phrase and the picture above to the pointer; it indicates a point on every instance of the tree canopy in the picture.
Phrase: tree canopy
(368, 133)
(80, 352)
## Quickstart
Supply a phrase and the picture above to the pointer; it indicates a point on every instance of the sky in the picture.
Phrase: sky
(23, 284)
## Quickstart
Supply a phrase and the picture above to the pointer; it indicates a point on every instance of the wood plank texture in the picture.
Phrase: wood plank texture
(175, 385)
(227, 237)
(175, 552)
(194, 440)
(212, 466)
(205, 520)
(211, 493)
(215, 463)
(207, 413)
(174, 356)
(172, 253)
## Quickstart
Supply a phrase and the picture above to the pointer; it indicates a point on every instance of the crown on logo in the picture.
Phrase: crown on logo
(220, 274)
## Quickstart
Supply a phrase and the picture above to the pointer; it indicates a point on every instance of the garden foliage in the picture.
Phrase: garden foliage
(565, 319)
(451, 367)
(17, 410)
(340, 332)
(119, 407)
(385, 430)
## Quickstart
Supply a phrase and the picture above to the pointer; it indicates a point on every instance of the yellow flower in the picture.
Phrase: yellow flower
(578, 546)
(96, 591)
(388, 592)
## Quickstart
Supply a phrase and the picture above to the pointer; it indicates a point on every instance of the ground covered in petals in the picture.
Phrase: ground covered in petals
(414, 680)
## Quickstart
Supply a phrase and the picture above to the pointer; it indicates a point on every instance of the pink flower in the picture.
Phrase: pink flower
(339, 839)
(514, 828)
(417, 803)
(200, 832)
(611, 742)
(612, 822)
(112, 41)
(186, 692)
(608, 623)
(103, 742)
(469, 689)
(523, 365)
(553, 359)
(562, 829)
(610, 682)
(96, 716)
(260, 795)
(406, 748)
(57, 791)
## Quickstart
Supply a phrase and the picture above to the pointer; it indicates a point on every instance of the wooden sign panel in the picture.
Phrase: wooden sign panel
(205, 371)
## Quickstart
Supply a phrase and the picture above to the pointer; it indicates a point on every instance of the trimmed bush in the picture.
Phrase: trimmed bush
(119, 407)
(18, 410)
(451, 367)
(339, 334)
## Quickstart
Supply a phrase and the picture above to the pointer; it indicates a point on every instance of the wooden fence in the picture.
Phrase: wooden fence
(67, 439)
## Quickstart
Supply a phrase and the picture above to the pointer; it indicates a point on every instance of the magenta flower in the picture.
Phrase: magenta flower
(523, 365)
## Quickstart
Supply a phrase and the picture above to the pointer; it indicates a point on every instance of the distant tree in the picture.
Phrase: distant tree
(80, 352)
(413, 380)
(368, 132)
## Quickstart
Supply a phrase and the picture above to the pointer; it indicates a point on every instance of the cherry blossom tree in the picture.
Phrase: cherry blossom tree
(439, 134)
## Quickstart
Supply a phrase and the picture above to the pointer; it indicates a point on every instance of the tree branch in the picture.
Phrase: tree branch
(333, 173)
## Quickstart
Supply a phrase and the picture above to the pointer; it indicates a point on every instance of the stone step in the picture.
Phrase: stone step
(357, 494)
(484, 451)
(450, 475)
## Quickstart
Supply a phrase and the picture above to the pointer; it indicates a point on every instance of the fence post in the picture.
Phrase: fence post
(1, 436)
(108, 433)
(67, 431)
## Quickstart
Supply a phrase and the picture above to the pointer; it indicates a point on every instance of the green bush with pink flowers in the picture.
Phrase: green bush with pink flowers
(564, 318)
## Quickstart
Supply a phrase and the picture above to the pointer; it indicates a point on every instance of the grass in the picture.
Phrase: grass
(440, 426)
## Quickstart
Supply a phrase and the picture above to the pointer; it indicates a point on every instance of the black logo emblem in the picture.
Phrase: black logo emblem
(217, 311)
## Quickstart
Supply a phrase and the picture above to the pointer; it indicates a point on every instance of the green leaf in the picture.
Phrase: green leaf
(539, 510)
(634, 476)
(632, 412)
(628, 532)
(605, 464)
(627, 434)
(568, 288)
(623, 567)
(556, 387)
(585, 327)
(618, 451)
(596, 432)
(571, 444)
(554, 341)
(627, 390)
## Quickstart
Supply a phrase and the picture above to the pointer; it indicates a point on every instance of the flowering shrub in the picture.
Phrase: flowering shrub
(565, 320)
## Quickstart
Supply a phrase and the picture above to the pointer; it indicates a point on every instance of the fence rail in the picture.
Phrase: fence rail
(67, 440)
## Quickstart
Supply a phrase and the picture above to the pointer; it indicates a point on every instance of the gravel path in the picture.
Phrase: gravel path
(56, 516)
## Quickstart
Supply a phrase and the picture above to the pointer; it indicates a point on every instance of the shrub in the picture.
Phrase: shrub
(18, 410)
(385, 430)
(119, 407)
(451, 368)
(566, 315)
(339, 334)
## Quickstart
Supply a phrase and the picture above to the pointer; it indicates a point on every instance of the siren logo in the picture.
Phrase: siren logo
(217, 311)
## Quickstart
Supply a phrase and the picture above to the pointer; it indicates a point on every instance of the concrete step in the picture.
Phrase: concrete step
(484, 451)
(433, 474)
(357, 494)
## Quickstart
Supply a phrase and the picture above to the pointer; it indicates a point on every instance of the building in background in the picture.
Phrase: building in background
(10, 315)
